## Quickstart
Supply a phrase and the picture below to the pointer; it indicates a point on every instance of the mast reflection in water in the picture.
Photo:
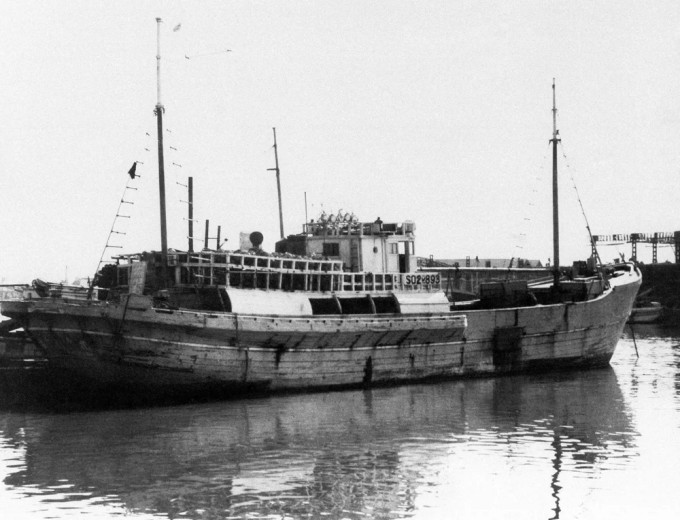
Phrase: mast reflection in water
(565, 445)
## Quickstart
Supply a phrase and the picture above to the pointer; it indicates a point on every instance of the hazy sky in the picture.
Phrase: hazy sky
(436, 112)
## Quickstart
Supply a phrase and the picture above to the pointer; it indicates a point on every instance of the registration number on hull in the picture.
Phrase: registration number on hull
(422, 279)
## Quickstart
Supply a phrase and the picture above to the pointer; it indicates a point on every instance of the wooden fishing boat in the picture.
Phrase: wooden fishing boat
(339, 304)
(246, 321)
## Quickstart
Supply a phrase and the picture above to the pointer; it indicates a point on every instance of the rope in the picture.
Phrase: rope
(132, 175)
(521, 237)
(111, 233)
(583, 211)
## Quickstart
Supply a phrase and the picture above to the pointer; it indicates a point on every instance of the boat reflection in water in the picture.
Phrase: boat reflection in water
(385, 453)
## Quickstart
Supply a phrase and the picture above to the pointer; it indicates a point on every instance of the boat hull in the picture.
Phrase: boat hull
(135, 346)
(647, 314)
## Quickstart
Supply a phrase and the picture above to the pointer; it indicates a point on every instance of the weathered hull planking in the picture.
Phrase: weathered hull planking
(133, 345)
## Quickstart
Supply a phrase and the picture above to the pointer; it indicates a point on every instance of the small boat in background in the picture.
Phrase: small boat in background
(645, 310)
(648, 312)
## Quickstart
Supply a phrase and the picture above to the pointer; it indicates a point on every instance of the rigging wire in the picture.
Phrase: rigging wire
(521, 237)
(132, 176)
(583, 211)
(113, 230)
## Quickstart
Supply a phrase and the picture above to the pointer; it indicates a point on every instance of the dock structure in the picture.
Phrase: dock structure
(671, 238)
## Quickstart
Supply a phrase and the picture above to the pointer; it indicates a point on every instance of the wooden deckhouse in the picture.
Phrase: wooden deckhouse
(362, 246)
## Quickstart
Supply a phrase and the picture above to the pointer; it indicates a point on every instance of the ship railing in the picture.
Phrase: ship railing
(281, 279)
(252, 261)
(359, 282)
(286, 280)
(305, 281)
(245, 260)
(256, 271)
(210, 268)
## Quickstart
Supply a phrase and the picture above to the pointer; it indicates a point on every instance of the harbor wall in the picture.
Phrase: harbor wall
(661, 283)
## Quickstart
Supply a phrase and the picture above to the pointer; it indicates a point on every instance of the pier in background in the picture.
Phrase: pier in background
(671, 239)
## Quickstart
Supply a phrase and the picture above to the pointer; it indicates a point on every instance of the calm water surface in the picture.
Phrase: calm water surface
(592, 444)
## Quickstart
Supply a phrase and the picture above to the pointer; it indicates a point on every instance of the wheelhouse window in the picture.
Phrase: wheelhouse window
(331, 249)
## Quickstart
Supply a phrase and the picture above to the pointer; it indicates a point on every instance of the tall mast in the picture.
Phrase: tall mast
(278, 182)
(161, 167)
(190, 188)
(556, 218)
